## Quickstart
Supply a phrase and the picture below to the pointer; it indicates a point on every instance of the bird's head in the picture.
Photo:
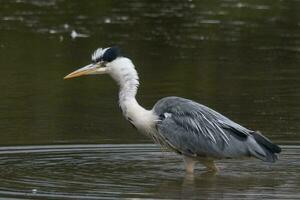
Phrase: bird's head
(104, 61)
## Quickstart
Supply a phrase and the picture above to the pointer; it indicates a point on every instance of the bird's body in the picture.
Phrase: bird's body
(181, 125)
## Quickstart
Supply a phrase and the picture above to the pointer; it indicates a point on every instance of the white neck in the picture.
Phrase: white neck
(128, 88)
(123, 71)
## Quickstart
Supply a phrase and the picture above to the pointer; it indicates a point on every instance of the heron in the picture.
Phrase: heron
(195, 131)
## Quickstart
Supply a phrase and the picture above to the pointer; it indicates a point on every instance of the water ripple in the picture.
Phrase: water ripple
(138, 170)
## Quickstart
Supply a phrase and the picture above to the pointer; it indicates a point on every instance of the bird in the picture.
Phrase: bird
(195, 131)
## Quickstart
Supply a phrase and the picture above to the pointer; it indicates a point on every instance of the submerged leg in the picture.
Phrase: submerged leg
(210, 165)
(189, 164)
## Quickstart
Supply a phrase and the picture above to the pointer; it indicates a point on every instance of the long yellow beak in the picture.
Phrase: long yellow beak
(86, 70)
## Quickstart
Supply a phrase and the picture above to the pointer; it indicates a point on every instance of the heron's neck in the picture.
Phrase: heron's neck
(128, 80)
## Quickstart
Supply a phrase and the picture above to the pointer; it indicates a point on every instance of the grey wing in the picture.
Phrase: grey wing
(195, 130)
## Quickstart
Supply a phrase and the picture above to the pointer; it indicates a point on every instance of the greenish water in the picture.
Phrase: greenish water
(67, 139)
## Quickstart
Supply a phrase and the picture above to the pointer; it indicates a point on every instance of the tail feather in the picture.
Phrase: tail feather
(262, 140)
(268, 147)
(266, 155)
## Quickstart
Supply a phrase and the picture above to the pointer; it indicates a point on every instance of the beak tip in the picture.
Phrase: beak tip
(71, 75)
(89, 69)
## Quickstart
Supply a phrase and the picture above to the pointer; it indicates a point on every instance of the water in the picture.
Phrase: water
(138, 171)
(67, 139)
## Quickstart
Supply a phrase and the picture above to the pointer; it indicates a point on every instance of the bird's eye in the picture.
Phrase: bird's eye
(97, 60)
(102, 63)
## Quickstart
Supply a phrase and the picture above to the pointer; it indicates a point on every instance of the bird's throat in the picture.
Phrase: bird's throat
(124, 73)
(141, 118)
(128, 88)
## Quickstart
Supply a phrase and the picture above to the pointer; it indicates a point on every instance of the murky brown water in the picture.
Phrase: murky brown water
(67, 139)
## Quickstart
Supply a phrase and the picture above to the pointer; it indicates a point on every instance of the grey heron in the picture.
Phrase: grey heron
(196, 132)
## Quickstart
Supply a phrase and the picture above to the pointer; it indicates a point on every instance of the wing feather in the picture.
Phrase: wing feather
(196, 130)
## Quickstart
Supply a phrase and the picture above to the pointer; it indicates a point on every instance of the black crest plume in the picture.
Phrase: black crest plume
(107, 54)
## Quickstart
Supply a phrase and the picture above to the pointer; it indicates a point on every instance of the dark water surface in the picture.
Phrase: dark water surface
(68, 140)
(138, 171)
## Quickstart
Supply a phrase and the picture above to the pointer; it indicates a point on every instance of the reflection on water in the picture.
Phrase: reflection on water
(141, 171)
